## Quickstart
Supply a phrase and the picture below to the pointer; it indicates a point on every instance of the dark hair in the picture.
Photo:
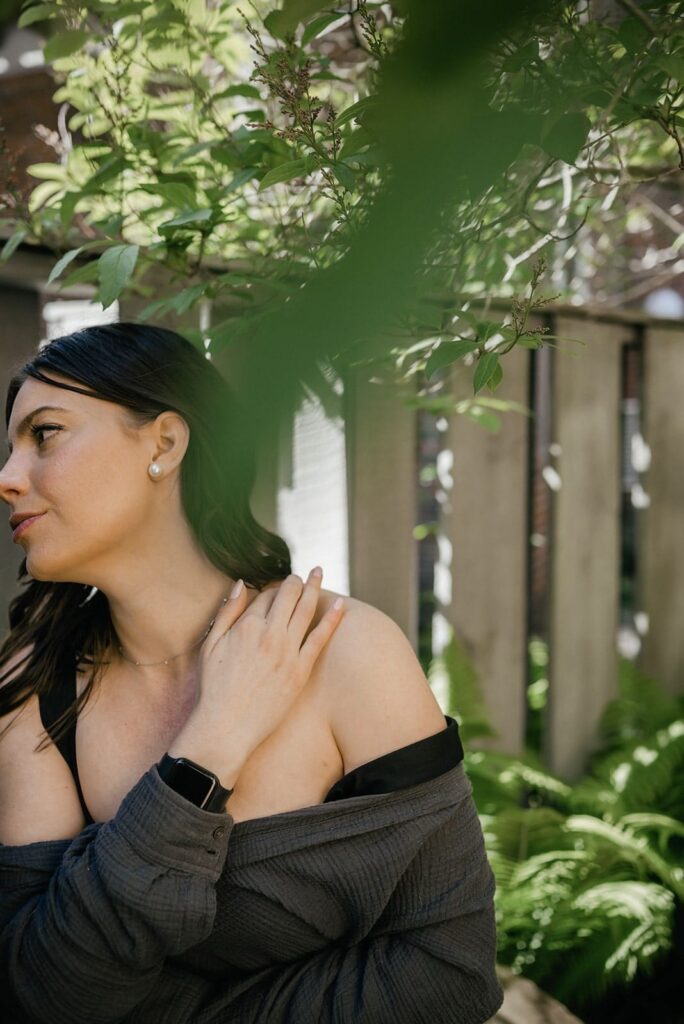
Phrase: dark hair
(146, 370)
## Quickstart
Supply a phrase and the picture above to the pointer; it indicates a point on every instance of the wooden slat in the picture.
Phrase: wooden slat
(585, 539)
(660, 559)
(484, 521)
(382, 495)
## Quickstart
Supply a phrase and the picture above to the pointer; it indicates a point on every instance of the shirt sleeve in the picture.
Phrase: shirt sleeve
(86, 924)
(428, 958)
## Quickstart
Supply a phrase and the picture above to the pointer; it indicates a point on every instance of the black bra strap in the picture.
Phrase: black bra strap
(51, 706)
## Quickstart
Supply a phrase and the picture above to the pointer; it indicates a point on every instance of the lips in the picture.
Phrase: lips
(24, 524)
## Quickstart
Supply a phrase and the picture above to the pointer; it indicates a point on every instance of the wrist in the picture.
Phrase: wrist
(198, 747)
(194, 782)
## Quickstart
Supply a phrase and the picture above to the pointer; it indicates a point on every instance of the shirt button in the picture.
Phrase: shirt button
(218, 831)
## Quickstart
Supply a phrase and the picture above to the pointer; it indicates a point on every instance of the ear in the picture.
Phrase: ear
(169, 437)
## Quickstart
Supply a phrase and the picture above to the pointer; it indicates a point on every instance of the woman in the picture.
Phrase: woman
(263, 819)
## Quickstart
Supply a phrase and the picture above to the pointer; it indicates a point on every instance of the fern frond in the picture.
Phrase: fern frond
(644, 774)
(627, 846)
(616, 930)
(502, 780)
(642, 708)
(665, 827)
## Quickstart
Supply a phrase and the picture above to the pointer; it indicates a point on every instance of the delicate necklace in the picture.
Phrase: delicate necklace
(167, 660)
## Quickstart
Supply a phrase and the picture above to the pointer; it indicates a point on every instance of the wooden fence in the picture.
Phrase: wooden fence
(530, 521)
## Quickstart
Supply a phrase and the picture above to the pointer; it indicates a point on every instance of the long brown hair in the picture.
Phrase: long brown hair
(146, 370)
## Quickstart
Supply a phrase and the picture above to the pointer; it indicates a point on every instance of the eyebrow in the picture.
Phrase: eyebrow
(27, 419)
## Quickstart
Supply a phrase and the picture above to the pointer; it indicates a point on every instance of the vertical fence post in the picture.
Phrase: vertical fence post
(585, 538)
(484, 533)
(382, 496)
(661, 549)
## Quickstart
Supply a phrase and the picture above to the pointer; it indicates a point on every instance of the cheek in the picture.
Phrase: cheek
(92, 489)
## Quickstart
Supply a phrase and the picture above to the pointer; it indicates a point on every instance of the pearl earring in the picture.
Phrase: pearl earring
(154, 469)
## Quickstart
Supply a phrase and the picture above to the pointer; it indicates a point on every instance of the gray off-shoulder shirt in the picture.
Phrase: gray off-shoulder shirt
(374, 907)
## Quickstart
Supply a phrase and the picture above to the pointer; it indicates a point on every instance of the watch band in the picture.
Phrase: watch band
(197, 784)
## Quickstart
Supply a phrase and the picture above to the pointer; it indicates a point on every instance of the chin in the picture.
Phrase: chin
(36, 573)
(40, 569)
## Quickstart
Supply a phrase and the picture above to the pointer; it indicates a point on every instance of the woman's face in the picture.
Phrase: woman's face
(87, 473)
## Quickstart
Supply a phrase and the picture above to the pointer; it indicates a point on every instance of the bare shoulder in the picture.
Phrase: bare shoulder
(38, 798)
(376, 694)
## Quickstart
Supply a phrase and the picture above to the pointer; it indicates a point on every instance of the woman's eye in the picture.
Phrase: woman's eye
(39, 430)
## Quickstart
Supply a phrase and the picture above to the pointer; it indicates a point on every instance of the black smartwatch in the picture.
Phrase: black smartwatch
(194, 782)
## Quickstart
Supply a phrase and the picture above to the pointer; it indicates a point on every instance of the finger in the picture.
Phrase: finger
(306, 606)
(227, 614)
(288, 595)
(261, 604)
(318, 637)
(264, 600)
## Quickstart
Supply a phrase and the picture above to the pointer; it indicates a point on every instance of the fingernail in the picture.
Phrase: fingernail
(317, 571)
(237, 590)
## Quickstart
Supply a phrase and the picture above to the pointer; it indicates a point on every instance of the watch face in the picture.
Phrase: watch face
(192, 783)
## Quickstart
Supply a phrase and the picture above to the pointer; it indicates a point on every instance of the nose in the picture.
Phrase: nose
(13, 480)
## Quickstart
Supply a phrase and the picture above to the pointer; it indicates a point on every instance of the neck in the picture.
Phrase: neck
(161, 608)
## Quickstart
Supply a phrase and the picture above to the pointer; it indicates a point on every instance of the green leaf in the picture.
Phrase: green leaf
(190, 218)
(295, 11)
(112, 225)
(197, 147)
(633, 35)
(447, 352)
(108, 169)
(47, 171)
(287, 171)
(489, 420)
(567, 135)
(11, 244)
(354, 110)
(355, 142)
(157, 308)
(66, 210)
(344, 175)
(174, 193)
(44, 192)
(326, 76)
(41, 12)
(486, 368)
(317, 26)
(673, 65)
(522, 56)
(114, 269)
(179, 303)
(254, 114)
(86, 273)
(495, 379)
(240, 179)
(95, 126)
(63, 44)
(239, 90)
(373, 157)
(62, 263)
(276, 24)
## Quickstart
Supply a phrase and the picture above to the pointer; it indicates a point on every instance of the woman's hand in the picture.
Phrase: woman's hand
(253, 666)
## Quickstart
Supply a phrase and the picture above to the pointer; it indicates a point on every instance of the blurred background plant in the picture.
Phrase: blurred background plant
(590, 877)
(276, 162)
